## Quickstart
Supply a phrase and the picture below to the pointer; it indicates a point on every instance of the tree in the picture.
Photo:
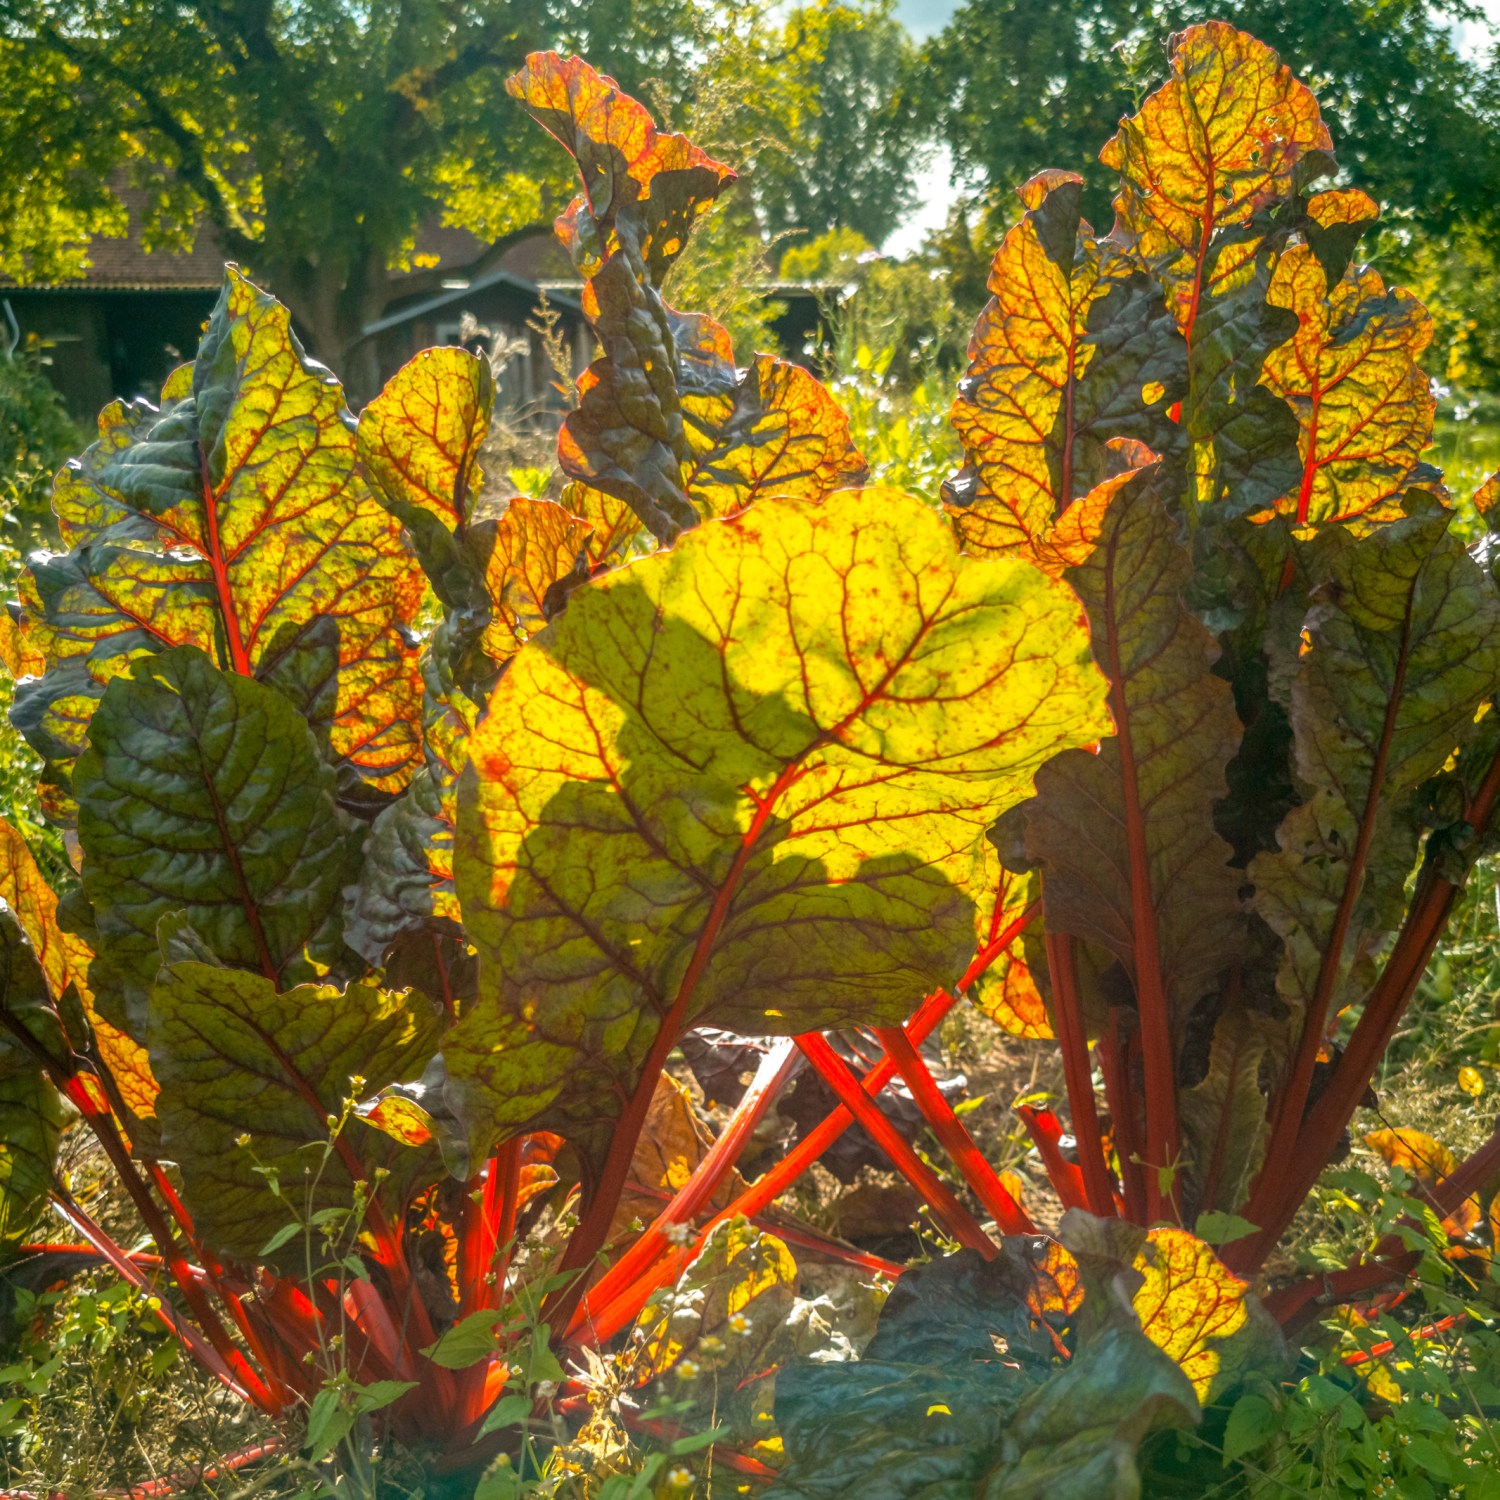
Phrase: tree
(315, 138)
(1013, 85)
(842, 151)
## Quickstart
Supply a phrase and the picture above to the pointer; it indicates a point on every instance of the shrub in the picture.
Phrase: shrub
(415, 836)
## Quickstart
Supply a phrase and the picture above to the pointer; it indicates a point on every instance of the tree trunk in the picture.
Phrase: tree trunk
(332, 303)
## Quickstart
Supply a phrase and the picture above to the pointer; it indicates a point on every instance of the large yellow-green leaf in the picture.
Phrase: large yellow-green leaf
(1073, 349)
(748, 778)
(233, 519)
(774, 430)
(202, 793)
(1351, 374)
(236, 1058)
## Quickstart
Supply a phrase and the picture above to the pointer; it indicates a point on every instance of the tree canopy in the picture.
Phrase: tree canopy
(319, 139)
(316, 138)
(1017, 85)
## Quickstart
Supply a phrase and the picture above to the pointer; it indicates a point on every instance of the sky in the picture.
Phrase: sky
(924, 18)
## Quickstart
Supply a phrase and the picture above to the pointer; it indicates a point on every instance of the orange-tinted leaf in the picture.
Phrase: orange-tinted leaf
(1487, 496)
(530, 548)
(64, 958)
(1216, 142)
(664, 421)
(642, 192)
(399, 1117)
(1006, 992)
(659, 183)
(614, 529)
(235, 520)
(1055, 371)
(776, 431)
(1414, 1152)
(1351, 374)
(1057, 1291)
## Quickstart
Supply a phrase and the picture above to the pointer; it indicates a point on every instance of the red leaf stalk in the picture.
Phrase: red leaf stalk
(951, 1131)
(1067, 1017)
(836, 1073)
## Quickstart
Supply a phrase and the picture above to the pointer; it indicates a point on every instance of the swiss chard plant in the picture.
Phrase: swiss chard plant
(414, 829)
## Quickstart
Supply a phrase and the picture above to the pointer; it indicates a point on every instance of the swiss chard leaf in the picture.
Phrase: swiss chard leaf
(1399, 650)
(962, 1392)
(202, 793)
(235, 1058)
(1055, 373)
(745, 782)
(1350, 373)
(1125, 839)
(1221, 139)
(31, 1114)
(665, 423)
(234, 520)
(65, 960)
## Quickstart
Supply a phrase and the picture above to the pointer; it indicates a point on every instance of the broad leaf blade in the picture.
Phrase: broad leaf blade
(1055, 371)
(774, 430)
(1125, 839)
(235, 1057)
(1399, 650)
(749, 776)
(419, 439)
(527, 552)
(202, 793)
(1220, 140)
(233, 519)
(1351, 374)
(65, 959)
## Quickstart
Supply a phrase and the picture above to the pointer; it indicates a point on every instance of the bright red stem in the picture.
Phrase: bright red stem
(835, 1072)
(760, 1194)
(1114, 1065)
(1045, 1130)
(951, 1131)
(698, 1191)
(1067, 1017)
